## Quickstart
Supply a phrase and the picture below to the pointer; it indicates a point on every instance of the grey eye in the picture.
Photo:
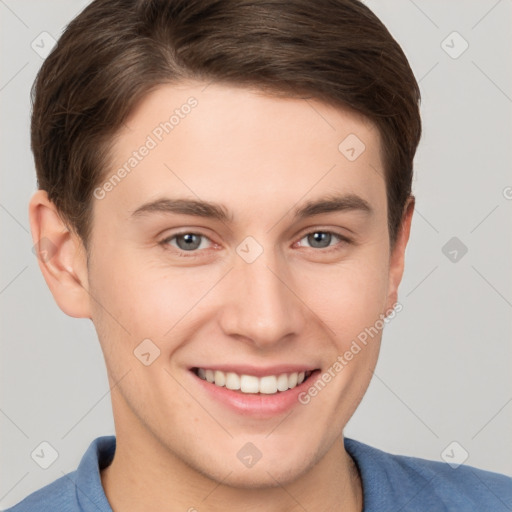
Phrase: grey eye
(319, 239)
(188, 241)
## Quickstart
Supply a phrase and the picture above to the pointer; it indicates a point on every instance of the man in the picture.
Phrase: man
(225, 191)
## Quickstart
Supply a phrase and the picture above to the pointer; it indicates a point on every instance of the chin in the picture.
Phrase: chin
(267, 472)
(264, 477)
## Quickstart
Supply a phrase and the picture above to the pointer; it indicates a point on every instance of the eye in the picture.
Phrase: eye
(187, 241)
(323, 239)
(192, 243)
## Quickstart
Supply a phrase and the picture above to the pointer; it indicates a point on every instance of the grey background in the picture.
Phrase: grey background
(444, 371)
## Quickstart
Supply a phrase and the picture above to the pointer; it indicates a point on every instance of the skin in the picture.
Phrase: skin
(261, 157)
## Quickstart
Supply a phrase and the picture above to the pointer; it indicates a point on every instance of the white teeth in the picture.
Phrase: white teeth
(249, 384)
(232, 381)
(220, 378)
(269, 385)
(282, 382)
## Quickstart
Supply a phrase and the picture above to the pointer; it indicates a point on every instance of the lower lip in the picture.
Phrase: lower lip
(256, 404)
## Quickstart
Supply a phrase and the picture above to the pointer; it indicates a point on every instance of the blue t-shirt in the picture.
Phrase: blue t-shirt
(391, 483)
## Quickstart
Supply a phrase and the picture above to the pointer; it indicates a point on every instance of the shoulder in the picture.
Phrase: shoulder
(59, 495)
(419, 484)
(76, 491)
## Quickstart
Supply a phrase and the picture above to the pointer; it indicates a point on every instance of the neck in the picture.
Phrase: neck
(147, 476)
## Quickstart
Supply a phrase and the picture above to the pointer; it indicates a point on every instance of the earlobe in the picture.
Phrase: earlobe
(61, 256)
(397, 258)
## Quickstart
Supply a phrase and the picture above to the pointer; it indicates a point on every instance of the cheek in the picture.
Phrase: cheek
(350, 301)
(135, 309)
(348, 297)
(136, 297)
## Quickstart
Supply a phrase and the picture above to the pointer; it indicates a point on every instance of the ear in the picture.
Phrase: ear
(61, 255)
(397, 258)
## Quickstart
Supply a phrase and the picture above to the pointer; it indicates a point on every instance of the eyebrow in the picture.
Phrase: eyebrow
(207, 209)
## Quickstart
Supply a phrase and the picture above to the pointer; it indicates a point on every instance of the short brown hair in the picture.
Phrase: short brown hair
(116, 51)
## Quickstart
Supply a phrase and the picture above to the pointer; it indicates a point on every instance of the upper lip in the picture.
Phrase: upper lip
(258, 371)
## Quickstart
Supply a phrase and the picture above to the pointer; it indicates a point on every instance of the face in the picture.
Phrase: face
(247, 244)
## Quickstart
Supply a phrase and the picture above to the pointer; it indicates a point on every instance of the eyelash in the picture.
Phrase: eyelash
(195, 253)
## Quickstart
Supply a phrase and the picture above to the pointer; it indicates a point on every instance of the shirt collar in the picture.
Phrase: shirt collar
(89, 490)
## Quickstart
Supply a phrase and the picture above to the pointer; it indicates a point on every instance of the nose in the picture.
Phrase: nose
(261, 306)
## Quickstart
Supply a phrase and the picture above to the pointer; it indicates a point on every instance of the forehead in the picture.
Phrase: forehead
(241, 146)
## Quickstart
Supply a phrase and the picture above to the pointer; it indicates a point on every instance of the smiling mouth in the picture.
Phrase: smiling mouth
(251, 384)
